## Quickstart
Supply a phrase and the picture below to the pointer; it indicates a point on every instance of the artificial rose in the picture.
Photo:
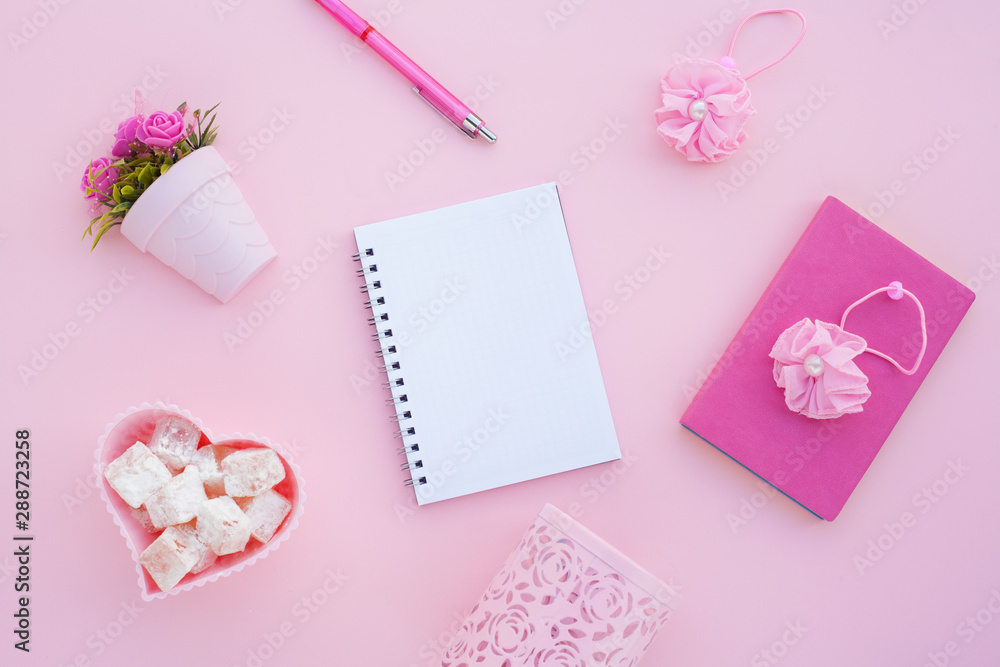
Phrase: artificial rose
(705, 106)
(126, 135)
(161, 129)
(99, 176)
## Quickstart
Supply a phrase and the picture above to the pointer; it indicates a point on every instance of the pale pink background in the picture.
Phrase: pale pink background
(345, 119)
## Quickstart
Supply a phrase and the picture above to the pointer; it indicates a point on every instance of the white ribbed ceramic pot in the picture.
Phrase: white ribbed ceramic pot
(195, 219)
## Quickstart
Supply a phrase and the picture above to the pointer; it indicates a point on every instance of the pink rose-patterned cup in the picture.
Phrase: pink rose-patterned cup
(564, 598)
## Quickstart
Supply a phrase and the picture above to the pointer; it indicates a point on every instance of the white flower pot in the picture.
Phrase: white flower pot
(194, 218)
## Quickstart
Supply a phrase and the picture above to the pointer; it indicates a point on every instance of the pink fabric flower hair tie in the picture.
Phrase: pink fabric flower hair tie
(706, 104)
(814, 362)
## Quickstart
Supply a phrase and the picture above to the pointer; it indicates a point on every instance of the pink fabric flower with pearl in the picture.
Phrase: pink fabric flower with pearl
(813, 363)
(705, 106)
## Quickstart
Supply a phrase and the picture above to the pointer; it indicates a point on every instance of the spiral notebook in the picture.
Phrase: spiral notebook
(485, 344)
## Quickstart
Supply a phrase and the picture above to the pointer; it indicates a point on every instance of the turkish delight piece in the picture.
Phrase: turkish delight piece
(179, 499)
(223, 526)
(142, 516)
(206, 557)
(169, 558)
(207, 459)
(175, 441)
(251, 472)
(136, 474)
(266, 512)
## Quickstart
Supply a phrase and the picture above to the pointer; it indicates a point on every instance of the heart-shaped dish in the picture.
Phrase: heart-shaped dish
(137, 424)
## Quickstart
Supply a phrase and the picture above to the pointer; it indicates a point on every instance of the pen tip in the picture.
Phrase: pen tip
(489, 136)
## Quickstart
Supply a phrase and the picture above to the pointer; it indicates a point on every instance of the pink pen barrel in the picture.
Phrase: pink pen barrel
(423, 83)
(347, 16)
(450, 106)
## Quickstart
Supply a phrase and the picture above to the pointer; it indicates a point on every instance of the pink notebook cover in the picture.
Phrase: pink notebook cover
(840, 258)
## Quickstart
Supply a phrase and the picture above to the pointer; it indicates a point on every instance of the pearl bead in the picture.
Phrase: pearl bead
(698, 109)
(813, 365)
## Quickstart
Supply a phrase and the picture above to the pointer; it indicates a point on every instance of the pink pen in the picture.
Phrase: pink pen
(424, 84)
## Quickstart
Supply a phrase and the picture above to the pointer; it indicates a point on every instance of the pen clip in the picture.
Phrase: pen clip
(471, 126)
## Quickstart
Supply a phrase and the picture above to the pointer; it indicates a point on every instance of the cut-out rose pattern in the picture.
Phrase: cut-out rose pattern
(555, 603)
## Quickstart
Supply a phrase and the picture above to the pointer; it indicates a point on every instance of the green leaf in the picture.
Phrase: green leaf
(127, 190)
(116, 194)
(146, 175)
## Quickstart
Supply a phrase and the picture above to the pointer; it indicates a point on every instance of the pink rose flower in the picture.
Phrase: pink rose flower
(126, 135)
(705, 107)
(813, 364)
(99, 176)
(161, 129)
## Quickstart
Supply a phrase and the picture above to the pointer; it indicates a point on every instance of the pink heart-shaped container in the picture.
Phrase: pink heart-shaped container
(137, 423)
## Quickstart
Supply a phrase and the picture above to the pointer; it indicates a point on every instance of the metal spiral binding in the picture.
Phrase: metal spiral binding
(383, 334)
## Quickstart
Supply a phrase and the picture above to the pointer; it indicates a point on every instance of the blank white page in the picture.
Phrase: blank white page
(489, 331)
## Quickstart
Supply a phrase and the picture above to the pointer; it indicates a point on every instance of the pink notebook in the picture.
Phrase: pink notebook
(840, 258)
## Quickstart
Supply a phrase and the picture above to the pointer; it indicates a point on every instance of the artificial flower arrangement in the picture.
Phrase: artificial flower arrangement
(145, 148)
(173, 196)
